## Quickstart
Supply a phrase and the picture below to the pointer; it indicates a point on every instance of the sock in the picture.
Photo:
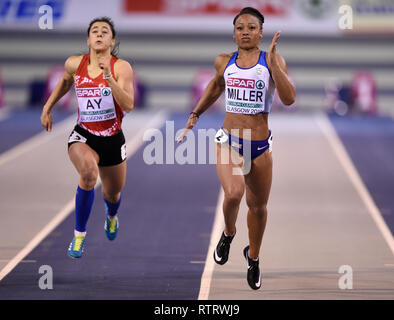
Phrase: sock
(112, 208)
(226, 235)
(78, 233)
(83, 205)
(251, 258)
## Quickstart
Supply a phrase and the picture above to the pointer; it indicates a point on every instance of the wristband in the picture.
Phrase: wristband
(195, 113)
(107, 76)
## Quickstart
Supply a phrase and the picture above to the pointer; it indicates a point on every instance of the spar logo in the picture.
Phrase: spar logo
(106, 92)
(245, 83)
(240, 83)
(260, 84)
(88, 93)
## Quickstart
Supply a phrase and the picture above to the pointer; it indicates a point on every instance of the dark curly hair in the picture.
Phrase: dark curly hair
(253, 12)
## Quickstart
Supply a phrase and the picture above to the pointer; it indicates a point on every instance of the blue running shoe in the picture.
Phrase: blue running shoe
(111, 227)
(75, 249)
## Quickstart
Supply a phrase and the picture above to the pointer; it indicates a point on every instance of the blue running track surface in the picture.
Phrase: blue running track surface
(21, 125)
(369, 142)
(165, 219)
(165, 222)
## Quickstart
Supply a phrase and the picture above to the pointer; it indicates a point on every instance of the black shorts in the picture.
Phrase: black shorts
(111, 150)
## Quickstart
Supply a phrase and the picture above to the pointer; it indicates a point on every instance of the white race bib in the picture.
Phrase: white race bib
(221, 136)
(123, 151)
(76, 137)
(95, 104)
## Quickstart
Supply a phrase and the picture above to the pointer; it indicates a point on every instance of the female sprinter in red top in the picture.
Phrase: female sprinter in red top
(96, 146)
(249, 78)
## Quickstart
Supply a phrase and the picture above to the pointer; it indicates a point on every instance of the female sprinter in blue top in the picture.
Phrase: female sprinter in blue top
(249, 77)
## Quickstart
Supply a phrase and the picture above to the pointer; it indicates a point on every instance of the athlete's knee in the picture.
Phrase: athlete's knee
(89, 176)
(258, 210)
(234, 194)
(111, 195)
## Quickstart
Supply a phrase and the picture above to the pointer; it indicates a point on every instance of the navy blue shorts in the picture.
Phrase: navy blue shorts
(242, 146)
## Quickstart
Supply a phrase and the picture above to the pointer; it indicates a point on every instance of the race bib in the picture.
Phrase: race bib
(270, 143)
(123, 151)
(221, 136)
(76, 137)
(95, 104)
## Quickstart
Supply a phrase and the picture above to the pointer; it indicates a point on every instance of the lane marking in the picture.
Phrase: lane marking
(336, 144)
(131, 147)
(37, 140)
(23, 261)
(60, 216)
(217, 229)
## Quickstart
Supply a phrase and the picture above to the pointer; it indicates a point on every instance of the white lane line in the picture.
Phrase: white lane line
(37, 140)
(347, 164)
(217, 229)
(60, 216)
(23, 261)
(131, 148)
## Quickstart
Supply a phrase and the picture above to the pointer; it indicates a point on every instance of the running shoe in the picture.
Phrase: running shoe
(222, 250)
(111, 227)
(254, 278)
(75, 249)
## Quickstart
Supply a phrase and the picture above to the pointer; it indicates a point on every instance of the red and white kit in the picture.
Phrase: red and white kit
(98, 112)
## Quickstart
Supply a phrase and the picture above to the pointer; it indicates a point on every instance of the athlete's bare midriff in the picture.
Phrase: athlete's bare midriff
(257, 123)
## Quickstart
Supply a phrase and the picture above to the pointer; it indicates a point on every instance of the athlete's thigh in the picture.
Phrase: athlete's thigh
(228, 169)
(83, 157)
(258, 181)
(113, 178)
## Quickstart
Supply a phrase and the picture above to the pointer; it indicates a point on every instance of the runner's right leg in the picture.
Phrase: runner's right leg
(234, 188)
(85, 160)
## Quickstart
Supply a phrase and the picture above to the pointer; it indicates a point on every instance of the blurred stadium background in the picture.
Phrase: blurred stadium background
(171, 44)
